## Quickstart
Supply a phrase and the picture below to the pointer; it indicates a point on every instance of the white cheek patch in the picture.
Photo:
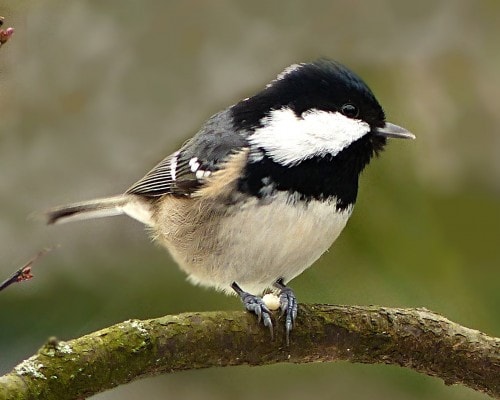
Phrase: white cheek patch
(288, 139)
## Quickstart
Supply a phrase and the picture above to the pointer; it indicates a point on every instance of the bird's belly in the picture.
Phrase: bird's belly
(255, 244)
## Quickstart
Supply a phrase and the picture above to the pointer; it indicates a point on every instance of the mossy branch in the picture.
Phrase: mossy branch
(414, 338)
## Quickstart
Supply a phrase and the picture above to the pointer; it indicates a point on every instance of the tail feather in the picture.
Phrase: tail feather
(97, 208)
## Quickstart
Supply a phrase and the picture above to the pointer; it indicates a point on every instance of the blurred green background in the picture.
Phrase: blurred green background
(93, 94)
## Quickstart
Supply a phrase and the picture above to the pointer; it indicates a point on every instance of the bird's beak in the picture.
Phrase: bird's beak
(393, 131)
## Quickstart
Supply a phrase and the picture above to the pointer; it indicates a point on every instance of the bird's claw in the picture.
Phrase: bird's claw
(288, 307)
(255, 305)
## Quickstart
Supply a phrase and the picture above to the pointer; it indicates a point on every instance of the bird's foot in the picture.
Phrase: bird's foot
(255, 305)
(288, 307)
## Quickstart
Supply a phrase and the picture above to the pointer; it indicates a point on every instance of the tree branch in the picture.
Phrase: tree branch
(24, 273)
(414, 338)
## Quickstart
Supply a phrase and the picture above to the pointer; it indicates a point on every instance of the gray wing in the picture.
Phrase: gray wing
(184, 171)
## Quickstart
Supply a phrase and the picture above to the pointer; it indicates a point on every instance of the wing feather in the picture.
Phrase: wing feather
(186, 170)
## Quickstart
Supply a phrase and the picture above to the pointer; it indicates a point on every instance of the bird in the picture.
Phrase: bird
(264, 188)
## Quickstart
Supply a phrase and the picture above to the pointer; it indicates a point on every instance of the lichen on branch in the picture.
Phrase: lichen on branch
(414, 338)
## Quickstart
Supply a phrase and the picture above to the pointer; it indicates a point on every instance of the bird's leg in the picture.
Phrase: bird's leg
(255, 305)
(288, 306)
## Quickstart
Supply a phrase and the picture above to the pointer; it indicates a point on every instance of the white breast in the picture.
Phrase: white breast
(255, 244)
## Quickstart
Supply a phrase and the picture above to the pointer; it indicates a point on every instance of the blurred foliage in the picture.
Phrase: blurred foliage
(93, 93)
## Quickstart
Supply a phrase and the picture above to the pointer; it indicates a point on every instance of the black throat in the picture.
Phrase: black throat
(317, 178)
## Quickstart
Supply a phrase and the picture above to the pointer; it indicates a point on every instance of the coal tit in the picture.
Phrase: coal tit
(264, 188)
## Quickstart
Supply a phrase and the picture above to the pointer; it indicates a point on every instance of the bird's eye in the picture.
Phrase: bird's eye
(349, 110)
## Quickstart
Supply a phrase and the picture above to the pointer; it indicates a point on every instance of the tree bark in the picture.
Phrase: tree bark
(414, 338)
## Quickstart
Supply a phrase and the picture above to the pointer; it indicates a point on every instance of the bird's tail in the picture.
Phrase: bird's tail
(131, 205)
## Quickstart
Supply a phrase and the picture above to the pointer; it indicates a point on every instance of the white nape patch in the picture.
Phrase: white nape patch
(173, 165)
(289, 139)
(288, 70)
(285, 72)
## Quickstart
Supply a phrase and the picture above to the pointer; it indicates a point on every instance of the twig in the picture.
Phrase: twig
(24, 273)
(6, 34)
